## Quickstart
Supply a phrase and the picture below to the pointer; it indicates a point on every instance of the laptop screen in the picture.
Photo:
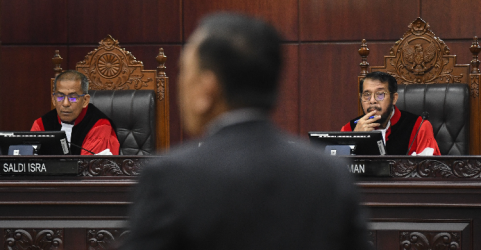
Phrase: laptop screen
(364, 143)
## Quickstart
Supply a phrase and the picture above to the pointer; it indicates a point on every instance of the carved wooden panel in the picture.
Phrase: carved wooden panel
(430, 240)
(110, 67)
(33, 239)
(452, 168)
(98, 239)
(111, 167)
(421, 57)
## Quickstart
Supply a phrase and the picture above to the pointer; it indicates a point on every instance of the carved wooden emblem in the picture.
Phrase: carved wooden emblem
(110, 67)
(456, 168)
(110, 167)
(421, 57)
(419, 61)
(474, 85)
(430, 240)
(34, 239)
(98, 239)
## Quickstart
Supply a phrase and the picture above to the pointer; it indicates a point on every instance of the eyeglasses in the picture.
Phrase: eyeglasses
(379, 96)
(71, 97)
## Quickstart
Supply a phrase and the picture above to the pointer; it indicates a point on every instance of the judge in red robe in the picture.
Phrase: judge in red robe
(88, 130)
(379, 95)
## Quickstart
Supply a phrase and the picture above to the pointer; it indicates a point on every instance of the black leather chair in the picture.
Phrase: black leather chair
(133, 112)
(448, 107)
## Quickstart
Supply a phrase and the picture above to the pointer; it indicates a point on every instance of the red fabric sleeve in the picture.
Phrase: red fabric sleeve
(424, 139)
(346, 127)
(101, 137)
(37, 125)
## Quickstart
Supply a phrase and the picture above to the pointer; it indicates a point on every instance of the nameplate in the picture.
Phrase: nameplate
(370, 168)
(38, 167)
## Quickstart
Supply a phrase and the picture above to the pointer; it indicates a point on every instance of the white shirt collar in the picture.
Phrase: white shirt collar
(68, 130)
(383, 130)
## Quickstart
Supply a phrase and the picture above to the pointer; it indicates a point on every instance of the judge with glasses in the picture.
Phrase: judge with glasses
(88, 130)
(378, 94)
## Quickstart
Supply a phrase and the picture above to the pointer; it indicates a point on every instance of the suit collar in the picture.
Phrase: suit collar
(236, 117)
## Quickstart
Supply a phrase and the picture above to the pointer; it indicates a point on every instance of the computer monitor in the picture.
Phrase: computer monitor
(365, 143)
(45, 142)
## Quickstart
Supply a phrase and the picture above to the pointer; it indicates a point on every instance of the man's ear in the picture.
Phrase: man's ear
(86, 100)
(208, 93)
(395, 96)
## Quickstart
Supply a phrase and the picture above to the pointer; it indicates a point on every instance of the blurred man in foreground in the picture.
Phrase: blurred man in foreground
(248, 185)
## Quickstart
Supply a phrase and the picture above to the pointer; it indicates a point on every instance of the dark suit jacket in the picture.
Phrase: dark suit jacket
(248, 186)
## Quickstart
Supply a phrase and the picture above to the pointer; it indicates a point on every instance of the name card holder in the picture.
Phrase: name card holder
(38, 166)
(369, 168)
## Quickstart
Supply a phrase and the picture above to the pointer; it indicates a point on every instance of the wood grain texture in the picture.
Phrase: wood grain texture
(461, 50)
(453, 19)
(286, 114)
(353, 20)
(283, 14)
(25, 87)
(328, 83)
(146, 21)
(33, 22)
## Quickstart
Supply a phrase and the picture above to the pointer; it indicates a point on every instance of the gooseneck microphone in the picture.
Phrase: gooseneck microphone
(81, 148)
(425, 116)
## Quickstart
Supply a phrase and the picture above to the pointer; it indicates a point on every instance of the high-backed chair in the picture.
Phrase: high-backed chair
(430, 80)
(133, 112)
(110, 67)
(448, 109)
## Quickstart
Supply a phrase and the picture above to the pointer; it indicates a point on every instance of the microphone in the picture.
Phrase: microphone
(425, 116)
(81, 148)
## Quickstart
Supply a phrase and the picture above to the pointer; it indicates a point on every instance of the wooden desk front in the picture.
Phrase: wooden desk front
(430, 203)
(427, 203)
(84, 211)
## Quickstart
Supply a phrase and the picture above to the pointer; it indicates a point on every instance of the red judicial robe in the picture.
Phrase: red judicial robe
(400, 134)
(92, 129)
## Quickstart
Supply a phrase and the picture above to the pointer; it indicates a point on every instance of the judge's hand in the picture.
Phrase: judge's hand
(366, 124)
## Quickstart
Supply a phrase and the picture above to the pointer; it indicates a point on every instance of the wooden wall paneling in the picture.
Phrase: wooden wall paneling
(461, 50)
(328, 83)
(453, 19)
(325, 20)
(33, 22)
(147, 21)
(25, 84)
(74, 54)
(286, 114)
(283, 14)
(328, 95)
